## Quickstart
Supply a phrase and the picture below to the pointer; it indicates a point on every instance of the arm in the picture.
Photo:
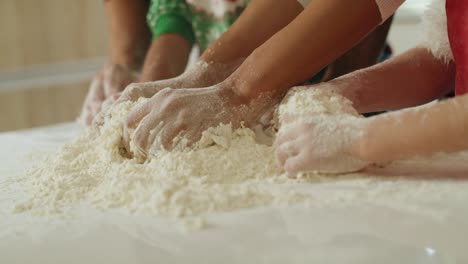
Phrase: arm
(363, 55)
(223, 56)
(344, 143)
(166, 58)
(412, 78)
(129, 36)
(291, 56)
(442, 127)
(319, 35)
(128, 39)
(259, 21)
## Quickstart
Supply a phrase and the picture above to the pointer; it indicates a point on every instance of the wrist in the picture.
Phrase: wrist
(365, 148)
(204, 74)
(227, 89)
(131, 55)
(247, 84)
(126, 62)
(374, 145)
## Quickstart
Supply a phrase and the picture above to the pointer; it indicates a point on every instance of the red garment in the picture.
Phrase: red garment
(457, 23)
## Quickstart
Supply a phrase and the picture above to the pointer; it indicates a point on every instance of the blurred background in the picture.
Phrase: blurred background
(50, 50)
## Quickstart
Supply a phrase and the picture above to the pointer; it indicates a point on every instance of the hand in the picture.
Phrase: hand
(200, 75)
(320, 143)
(185, 113)
(106, 86)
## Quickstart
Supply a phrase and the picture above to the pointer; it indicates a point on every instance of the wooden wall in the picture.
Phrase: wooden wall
(44, 32)
(50, 31)
(41, 106)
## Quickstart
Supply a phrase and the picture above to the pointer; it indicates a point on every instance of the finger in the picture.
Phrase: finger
(266, 119)
(126, 139)
(131, 93)
(96, 108)
(95, 96)
(138, 112)
(286, 151)
(98, 120)
(289, 118)
(296, 165)
(135, 91)
(151, 124)
(115, 97)
(96, 90)
(193, 135)
(169, 133)
(101, 114)
(154, 138)
(86, 118)
(180, 141)
(288, 134)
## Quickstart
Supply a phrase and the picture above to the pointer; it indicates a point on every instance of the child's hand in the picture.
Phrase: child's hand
(321, 143)
(105, 87)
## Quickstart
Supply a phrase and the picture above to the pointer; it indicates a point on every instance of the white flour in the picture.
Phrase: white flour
(232, 174)
(228, 171)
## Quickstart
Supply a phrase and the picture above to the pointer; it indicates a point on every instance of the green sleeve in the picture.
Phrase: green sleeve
(170, 16)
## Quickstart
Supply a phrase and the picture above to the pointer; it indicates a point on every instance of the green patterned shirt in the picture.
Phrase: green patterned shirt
(198, 21)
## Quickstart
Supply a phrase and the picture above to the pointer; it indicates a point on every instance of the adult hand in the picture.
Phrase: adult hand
(106, 86)
(174, 114)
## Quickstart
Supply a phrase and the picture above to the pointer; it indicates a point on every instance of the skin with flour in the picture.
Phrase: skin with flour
(440, 127)
(259, 75)
(413, 78)
(133, 57)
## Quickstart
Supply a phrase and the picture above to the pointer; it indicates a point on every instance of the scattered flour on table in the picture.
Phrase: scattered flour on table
(229, 171)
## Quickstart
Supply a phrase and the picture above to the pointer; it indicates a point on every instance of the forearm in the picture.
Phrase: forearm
(166, 58)
(129, 35)
(412, 78)
(363, 55)
(303, 48)
(259, 21)
(442, 127)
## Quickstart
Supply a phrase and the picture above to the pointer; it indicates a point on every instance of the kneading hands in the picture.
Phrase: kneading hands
(241, 93)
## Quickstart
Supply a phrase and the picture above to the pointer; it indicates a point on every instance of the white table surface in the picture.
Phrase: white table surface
(361, 233)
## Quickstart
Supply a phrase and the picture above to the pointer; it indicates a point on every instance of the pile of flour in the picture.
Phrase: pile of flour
(228, 172)
(93, 170)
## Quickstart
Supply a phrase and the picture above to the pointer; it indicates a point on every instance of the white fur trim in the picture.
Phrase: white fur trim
(435, 31)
